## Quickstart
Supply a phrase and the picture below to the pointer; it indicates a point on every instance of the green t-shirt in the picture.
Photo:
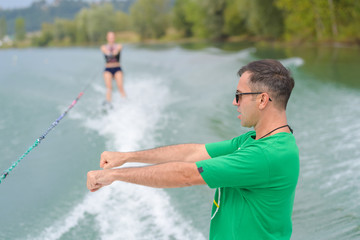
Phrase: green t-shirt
(256, 180)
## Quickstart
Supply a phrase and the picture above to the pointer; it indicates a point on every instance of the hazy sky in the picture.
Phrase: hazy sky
(15, 3)
(6, 4)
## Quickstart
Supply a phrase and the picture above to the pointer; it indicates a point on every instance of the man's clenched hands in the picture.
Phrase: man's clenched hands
(98, 179)
(112, 159)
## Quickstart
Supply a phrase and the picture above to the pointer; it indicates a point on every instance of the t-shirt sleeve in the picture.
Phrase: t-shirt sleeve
(223, 148)
(247, 167)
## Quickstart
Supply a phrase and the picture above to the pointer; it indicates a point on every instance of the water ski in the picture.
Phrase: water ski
(106, 107)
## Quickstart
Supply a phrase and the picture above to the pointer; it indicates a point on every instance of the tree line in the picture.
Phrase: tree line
(46, 11)
(302, 21)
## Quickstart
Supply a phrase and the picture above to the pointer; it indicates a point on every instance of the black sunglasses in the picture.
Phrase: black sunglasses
(239, 94)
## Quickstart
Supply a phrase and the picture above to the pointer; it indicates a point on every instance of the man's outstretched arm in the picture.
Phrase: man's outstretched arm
(174, 153)
(166, 175)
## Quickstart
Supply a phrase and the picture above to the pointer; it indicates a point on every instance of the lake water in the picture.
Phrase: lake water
(176, 94)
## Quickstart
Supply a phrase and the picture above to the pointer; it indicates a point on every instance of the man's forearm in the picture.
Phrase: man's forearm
(167, 175)
(173, 153)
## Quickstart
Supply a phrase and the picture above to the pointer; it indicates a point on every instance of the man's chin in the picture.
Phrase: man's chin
(244, 124)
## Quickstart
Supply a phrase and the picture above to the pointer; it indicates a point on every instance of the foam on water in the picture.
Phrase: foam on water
(121, 210)
(126, 211)
(294, 61)
(133, 121)
(246, 53)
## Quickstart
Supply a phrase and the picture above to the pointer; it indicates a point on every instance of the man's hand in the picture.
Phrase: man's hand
(98, 179)
(112, 159)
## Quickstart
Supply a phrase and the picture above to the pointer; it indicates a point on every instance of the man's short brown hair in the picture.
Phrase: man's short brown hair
(270, 76)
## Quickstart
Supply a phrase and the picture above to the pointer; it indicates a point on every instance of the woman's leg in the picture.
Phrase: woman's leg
(119, 81)
(108, 78)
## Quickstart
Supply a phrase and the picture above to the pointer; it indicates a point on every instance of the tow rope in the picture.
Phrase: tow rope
(38, 141)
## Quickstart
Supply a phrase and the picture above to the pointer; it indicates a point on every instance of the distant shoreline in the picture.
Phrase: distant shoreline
(249, 40)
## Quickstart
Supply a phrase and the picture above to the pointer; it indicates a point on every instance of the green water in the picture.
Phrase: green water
(177, 94)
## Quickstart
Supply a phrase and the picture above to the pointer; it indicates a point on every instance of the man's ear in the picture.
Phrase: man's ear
(263, 101)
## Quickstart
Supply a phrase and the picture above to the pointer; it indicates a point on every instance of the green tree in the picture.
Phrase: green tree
(214, 18)
(81, 24)
(321, 19)
(150, 18)
(122, 22)
(194, 15)
(59, 29)
(100, 20)
(93, 24)
(181, 19)
(20, 32)
(64, 31)
(346, 20)
(3, 28)
(45, 37)
(235, 17)
(264, 19)
(299, 19)
(222, 18)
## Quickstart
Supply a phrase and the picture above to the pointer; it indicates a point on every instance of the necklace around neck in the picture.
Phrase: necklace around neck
(275, 130)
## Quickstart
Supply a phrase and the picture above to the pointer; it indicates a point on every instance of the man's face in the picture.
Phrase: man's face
(247, 106)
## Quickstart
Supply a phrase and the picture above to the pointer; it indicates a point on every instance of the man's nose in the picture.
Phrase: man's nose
(234, 102)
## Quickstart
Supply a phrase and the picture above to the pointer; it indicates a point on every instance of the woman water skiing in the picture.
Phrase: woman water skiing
(113, 69)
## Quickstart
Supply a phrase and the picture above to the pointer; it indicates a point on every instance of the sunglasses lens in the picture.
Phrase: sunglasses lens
(237, 98)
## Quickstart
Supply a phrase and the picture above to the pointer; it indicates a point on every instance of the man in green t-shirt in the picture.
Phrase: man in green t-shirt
(255, 174)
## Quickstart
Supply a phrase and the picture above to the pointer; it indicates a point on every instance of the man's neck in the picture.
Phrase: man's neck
(270, 122)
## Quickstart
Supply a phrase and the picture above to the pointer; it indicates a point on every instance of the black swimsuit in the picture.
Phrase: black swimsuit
(112, 59)
(113, 70)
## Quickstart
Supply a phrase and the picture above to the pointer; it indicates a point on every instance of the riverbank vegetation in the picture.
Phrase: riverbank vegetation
(295, 22)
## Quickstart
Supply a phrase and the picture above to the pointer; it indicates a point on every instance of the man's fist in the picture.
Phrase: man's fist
(112, 159)
(98, 179)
